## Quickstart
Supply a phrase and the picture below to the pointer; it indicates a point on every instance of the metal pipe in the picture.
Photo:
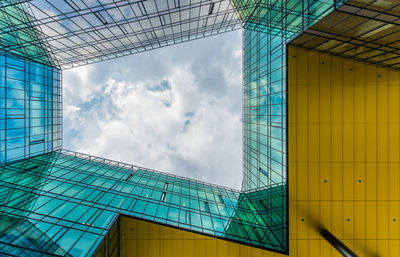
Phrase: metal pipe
(337, 244)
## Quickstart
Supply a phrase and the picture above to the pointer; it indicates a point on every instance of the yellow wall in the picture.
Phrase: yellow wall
(343, 155)
(144, 239)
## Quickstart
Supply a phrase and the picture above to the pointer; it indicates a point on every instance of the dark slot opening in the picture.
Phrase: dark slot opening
(211, 8)
(36, 142)
(129, 177)
(101, 18)
(264, 172)
(220, 199)
(206, 206)
(73, 5)
(165, 186)
(32, 168)
(163, 195)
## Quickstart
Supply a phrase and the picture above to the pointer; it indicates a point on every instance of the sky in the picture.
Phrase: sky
(176, 109)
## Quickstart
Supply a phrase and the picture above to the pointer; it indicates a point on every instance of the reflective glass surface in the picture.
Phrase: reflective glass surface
(73, 199)
(30, 108)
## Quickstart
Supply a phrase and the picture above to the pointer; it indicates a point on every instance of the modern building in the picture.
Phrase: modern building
(321, 133)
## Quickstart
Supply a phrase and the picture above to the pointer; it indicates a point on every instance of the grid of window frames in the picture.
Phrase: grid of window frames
(269, 26)
(30, 110)
(80, 32)
(75, 197)
(18, 37)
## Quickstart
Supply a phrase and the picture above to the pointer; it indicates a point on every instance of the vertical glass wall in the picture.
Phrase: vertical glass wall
(269, 26)
(30, 108)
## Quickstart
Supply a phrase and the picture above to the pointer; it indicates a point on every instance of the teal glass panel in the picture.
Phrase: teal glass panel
(71, 197)
(30, 108)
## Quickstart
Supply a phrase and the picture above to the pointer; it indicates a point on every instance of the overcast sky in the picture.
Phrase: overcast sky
(175, 109)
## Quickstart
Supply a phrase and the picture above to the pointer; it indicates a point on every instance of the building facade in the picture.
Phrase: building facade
(321, 133)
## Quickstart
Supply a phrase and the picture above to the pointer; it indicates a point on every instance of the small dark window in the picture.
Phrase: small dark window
(129, 177)
(210, 11)
(206, 207)
(165, 186)
(220, 199)
(163, 197)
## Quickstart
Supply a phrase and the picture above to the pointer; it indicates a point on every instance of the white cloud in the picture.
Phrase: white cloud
(175, 109)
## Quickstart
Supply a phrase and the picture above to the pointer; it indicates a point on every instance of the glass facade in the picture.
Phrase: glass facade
(72, 199)
(81, 32)
(30, 110)
(55, 202)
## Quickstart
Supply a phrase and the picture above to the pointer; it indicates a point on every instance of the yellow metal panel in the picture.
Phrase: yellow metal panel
(370, 94)
(359, 219)
(324, 90)
(313, 192)
(154, 231)
(394, 97)
(188, 247)
(383, 219)
(337, 181)
(313, 88)
(394, 142)
(131, 248)
(337, 142)
(359, 142)
(348, 181)
(142, 247)
(292, 170)
(326, 215)
(176, 248)
(302, 86)
(313, 142)
(359, 181)
(371, 218)
(293, 217)
(302, 181)
(302, 248)
(166, 248)
(337, 90)
(394, 248)
(383, 180)
(383, 248)
(223, 248)
(382, 96)
(325, 248)
(359, 92)
(394, 220)
(245, 250)
(348, 91)
(313, 220)
(302, 219)
(394, 181)
(325, 181)
(154, 247)
(359, 246)
(200, 248)
(358, 151)
(325, 142)
(211, 248)
(233, 249)
(142, 230)
(337, 219)
(313, 247)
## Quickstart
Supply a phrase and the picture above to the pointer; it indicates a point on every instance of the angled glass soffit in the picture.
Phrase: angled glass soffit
(363, 30)
(78, 32)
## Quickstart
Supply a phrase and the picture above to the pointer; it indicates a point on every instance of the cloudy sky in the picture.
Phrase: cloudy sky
(175, 109)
